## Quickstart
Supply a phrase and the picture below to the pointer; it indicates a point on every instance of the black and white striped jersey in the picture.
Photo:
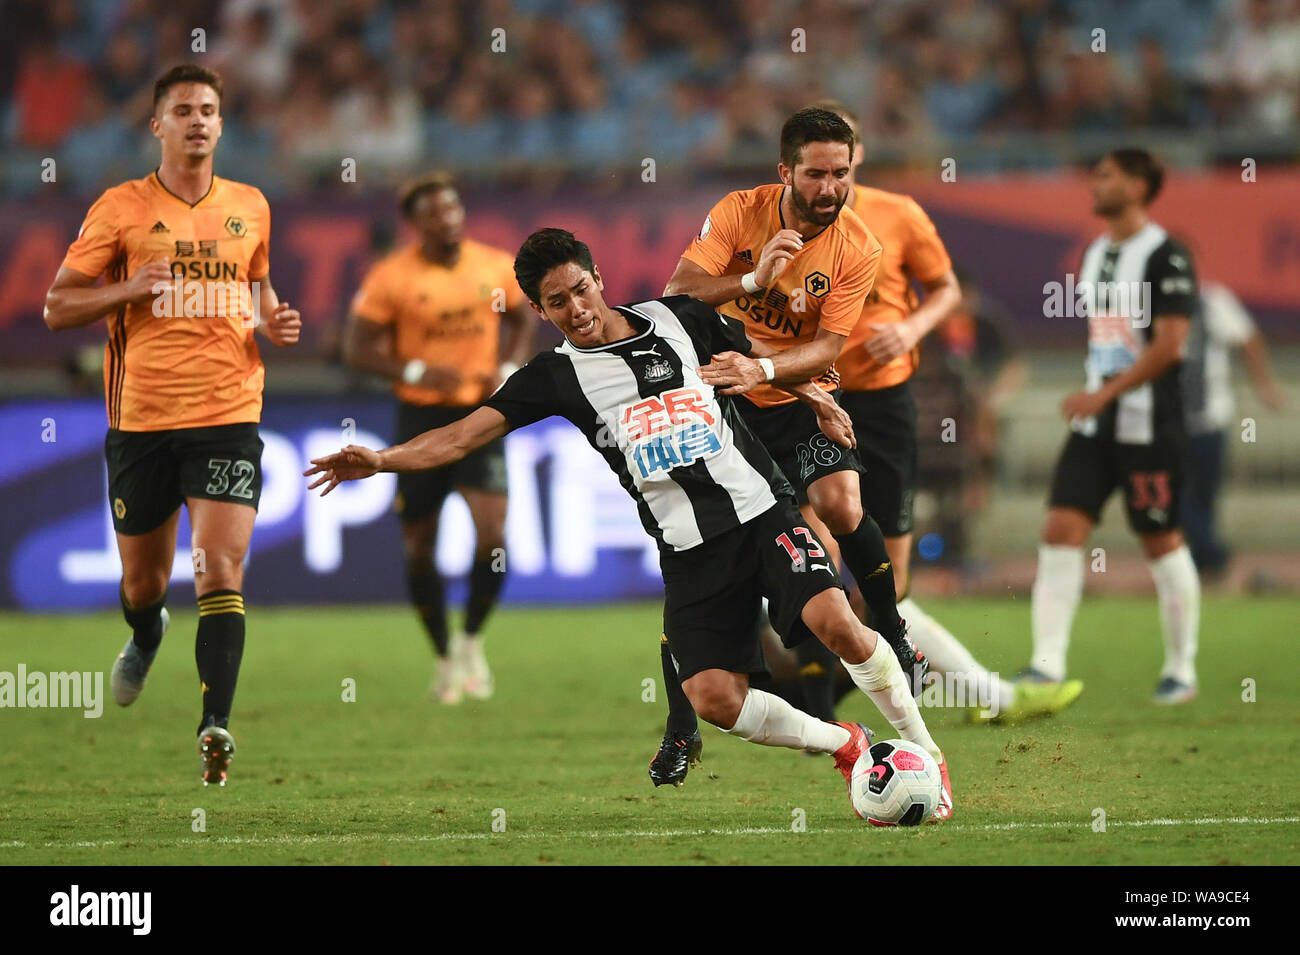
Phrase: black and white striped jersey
(1122, 288)
(682, 452)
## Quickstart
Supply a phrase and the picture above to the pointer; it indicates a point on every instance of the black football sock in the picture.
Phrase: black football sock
(681, 715)
(218, 648)
(485, 583)
(865, 555)
(817, 668)
(424, 584)
(145, 622)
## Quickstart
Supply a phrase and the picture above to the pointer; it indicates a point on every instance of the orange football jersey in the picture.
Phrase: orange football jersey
(824, 286)
(913, 249)
(443, 316)
(186, 359)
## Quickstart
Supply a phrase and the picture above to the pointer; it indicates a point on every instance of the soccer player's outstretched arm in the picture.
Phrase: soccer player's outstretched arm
(432, 449)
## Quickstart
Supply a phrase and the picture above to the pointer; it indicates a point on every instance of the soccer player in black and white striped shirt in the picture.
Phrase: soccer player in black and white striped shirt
(1137, 289)
(706, 489)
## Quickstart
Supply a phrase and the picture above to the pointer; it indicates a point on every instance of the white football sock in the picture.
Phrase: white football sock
(768, 720)
(1057, 589)
(970, 682)
(881, 678)
(1178, 590)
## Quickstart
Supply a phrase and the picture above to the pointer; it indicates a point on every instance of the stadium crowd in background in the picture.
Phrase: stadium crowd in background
(392, 83)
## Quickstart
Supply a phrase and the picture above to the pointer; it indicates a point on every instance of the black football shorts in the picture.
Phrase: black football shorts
(791, 435)
(1151, 476)
(151, 473)
(422, 493)
(884, 423)
(713, 592)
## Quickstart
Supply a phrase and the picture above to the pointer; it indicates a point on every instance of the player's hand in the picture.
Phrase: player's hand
(890, 340)
(1084, 404)
(732, 373)
(776, 255)
(441, 378)
(835, 423)
(351, 464)
(1272, 397)
(285, 326)
(143, 286)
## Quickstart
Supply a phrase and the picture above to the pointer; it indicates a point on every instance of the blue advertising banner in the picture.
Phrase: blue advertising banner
(572, 534)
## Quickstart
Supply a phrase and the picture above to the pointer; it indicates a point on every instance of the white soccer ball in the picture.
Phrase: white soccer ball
(895, 783)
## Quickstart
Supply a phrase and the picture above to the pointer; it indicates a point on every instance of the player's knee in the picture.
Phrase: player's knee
(1157, 545)
(846, 638)
(842, 514)
(716, 703)
(144, 588)
(1064, 529)
(219, 571)
(417, 549)
(490, 540)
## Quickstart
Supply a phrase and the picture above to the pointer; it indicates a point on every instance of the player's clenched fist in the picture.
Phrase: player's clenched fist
(144, 285)
(351, 464)
(776, 255)
(285, 325)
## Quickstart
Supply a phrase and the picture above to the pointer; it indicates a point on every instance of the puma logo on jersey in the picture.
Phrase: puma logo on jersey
(825, 567)
(649, 351)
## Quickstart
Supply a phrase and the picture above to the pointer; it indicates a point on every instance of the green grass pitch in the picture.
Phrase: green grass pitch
(558, 758)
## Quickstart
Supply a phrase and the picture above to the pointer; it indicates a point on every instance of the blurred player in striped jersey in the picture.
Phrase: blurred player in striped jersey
(1127, 427)
(186, 256)
(428, 317)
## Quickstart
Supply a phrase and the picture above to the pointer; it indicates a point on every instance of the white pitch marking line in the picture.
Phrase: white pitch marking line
(639, 834)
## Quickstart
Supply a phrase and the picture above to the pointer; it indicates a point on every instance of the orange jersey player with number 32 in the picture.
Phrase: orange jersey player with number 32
(185, 253)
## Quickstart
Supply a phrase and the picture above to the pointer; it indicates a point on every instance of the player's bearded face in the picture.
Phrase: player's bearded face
(1110, 193)
(820, 182)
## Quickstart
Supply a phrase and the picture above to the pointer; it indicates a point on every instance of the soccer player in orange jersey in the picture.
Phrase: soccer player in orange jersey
(878, 360)
(429, 317)
(790, 262)
(186, 257)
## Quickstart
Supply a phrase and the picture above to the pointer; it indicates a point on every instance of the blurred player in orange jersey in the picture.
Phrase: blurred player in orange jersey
(429, 318)
(878, 360)
(186, 257)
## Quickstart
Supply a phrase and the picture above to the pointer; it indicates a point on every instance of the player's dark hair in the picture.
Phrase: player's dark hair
(812, 124)
(186, 73)
(1141, 165)
(839, 109)
(543, 251)
(435, 181)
